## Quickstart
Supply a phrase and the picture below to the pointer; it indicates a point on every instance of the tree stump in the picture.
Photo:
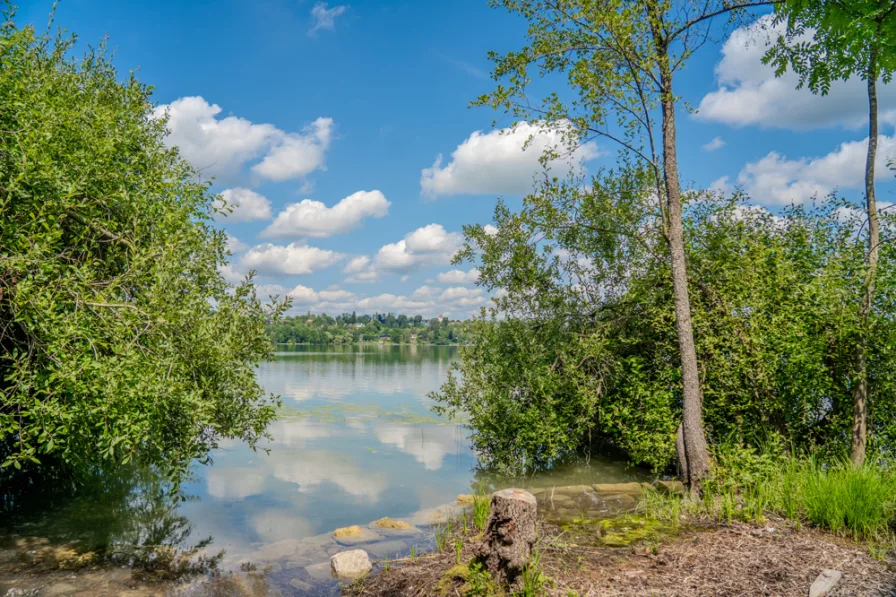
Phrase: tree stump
(509, 536)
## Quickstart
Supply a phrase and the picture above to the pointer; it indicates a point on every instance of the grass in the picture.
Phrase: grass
(480, 511)
(749, 484)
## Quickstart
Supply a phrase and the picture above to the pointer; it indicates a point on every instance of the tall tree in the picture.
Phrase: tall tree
(827, 40)
(620, 58)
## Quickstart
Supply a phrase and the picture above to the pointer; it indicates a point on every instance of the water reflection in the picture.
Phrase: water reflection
(131, 516)
(355, 442)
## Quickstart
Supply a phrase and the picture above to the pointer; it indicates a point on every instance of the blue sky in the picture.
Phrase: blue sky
(285, 101)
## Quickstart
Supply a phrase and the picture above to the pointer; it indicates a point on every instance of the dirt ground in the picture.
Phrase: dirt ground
(728, 561)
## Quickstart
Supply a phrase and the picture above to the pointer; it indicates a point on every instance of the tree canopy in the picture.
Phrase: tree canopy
(119, 339)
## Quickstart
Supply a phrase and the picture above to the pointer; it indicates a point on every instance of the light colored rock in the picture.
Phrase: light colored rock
(320, 571)
(351, 531)
(389, 523)
(465, 499)
(825, 582)
(350, 565)
(615, 488)
(670, 487)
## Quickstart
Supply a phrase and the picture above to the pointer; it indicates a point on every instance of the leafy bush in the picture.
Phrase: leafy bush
(119, 339)
(581, 347)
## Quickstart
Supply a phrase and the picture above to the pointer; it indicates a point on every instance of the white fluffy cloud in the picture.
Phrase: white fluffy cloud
(314, 219)
(222, 146)
(714, 145)
(457, 276)
(292, 259)
(324, 17)
(497, 162)
(777, 180)
(749, 92)
(428, 301)
(302, 295)
(298, 155)
(427, 246)
(244, 205)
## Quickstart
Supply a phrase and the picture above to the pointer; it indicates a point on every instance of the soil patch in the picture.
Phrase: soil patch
(737, 560)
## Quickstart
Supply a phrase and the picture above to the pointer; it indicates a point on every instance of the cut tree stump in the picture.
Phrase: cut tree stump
(509, 536)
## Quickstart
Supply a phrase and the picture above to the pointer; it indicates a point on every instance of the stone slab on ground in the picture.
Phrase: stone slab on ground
(825, 582)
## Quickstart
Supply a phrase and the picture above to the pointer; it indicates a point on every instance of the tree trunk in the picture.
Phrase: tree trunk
(860, 392)
(696, 451)
(681, 453)
(509, 537)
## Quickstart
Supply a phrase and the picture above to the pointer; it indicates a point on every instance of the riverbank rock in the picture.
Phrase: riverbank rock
(350, 565)
(389, 523)
(509, 536)
(615, 488)
(670, 487)
(465, 499)
(825, 583)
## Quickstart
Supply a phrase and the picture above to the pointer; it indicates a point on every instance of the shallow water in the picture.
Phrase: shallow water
(356, 441)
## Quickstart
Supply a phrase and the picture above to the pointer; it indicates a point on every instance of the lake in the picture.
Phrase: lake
(356, 440)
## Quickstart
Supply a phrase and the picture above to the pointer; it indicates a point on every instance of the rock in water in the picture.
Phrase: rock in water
(825, 583)
(388, 523)
(509, 537)
(350, 565)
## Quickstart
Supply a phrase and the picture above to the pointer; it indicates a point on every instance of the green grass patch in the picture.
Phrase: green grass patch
(750, 484)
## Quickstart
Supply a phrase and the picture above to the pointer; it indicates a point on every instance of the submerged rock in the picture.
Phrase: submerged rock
(351, 531)
(615, 488)
(389, 523)
(350, 565)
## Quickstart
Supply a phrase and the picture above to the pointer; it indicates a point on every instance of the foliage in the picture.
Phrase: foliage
(749, 483)
(350, 328)
(480, 511)
(846, 39)
(119, 340)
(582, 348)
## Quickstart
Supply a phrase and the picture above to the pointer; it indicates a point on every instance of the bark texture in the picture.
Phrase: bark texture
(506, 547)
(860, 392)
(681, 454)
(696, 450)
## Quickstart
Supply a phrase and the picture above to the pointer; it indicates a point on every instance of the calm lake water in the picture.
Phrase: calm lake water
(356, 441)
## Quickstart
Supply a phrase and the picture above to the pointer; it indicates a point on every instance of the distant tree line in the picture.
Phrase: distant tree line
(349, 328)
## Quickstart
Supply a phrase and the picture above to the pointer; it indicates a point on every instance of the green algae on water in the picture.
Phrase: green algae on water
(619, 531)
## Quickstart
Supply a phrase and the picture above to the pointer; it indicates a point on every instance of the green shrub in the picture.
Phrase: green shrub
(581, 350)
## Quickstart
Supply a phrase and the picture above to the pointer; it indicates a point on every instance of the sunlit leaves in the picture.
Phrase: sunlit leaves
(120, 341)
